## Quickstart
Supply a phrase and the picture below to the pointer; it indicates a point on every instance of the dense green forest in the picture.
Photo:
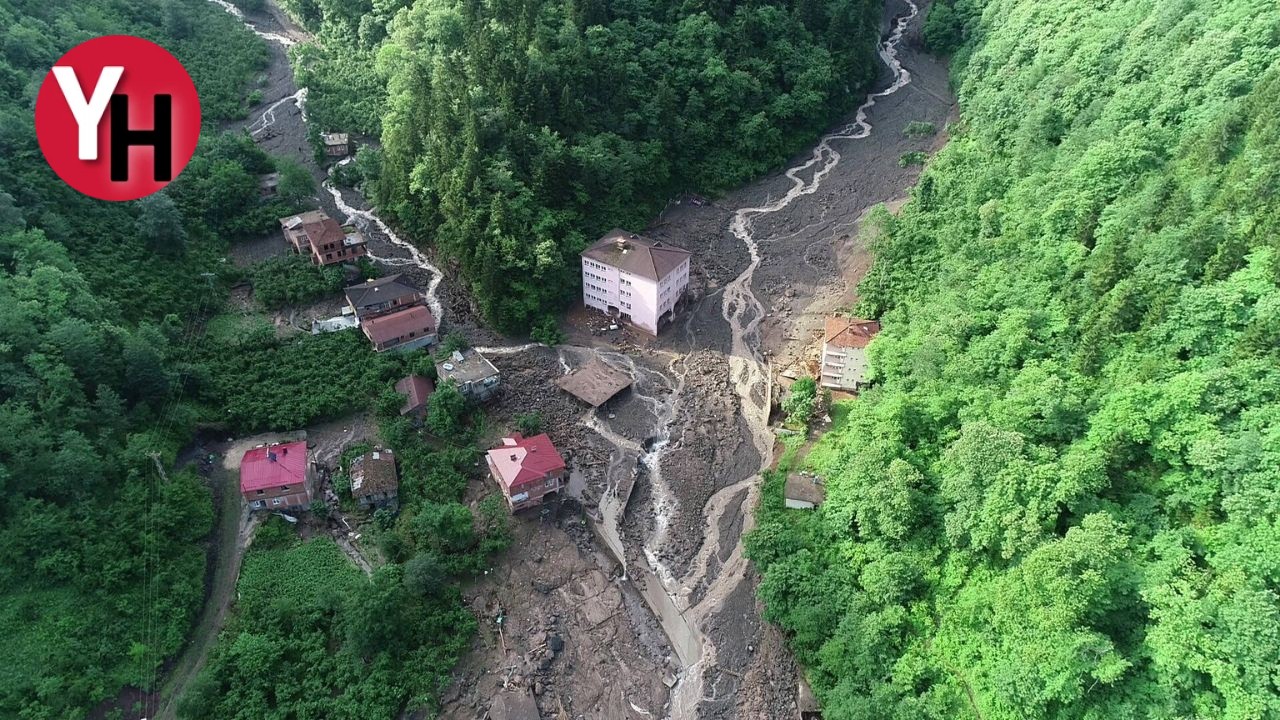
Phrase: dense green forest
(102, 566)
(515, 132)
(1061, 499)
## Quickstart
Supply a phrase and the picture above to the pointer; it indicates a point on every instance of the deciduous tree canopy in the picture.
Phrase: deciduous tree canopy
(1061, 499)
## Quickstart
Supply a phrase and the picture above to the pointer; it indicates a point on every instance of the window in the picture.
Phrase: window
(277, 501)
(259, 492)
(256, 503)
(284, 487)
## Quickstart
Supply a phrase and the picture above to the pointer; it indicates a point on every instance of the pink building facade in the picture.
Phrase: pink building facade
(634, 279)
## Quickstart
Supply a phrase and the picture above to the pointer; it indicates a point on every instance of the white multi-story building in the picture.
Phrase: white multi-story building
(844, 352)
(635, 279)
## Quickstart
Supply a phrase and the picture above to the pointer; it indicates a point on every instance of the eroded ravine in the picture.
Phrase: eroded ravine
(749, 373)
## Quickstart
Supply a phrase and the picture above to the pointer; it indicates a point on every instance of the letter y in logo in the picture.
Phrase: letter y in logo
(88, 112)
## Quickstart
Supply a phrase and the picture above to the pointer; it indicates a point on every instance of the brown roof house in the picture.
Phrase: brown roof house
(374, 482)
(321, 238)
(416, 390)
(634, 279)
(844, 352)
(383, 295)
(476, 377)
(406, 329)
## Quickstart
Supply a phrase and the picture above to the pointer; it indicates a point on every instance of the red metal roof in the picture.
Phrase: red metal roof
(416, 390)
(844, 332)
(416, 319)
(522, 460)
(273, 466)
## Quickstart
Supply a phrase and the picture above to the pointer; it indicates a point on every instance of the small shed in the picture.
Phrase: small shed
(336, 144)
(416, 390)
(594, 383)
(374, 482)
(804, 491)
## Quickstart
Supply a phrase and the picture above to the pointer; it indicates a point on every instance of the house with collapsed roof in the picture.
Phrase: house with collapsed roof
(844, 352)
(278, 476)
(634, 279)
(374, 482)
(527, 469)
(322, 239)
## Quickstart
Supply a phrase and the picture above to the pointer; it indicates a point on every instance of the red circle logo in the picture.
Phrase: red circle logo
(117, 117)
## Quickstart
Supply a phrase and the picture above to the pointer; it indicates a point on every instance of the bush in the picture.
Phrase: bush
(912, 158)
(293, 280)
(547, 332)
(529, 423)
(918, 128)
(801, 402)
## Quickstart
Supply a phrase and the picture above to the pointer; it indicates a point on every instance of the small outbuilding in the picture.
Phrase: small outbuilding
(594, 383)
(416, 390)
(804, 491)
(374, 481)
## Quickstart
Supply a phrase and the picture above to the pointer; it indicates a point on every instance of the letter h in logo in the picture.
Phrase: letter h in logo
(159, 138)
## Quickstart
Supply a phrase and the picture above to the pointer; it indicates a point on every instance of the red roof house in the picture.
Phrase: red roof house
(527, 469)
(277, 477)
(413, 327)
(416, 390)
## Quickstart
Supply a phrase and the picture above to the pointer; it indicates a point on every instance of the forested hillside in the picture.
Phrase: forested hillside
(101, 566)
(515, 132)
(1061, 501)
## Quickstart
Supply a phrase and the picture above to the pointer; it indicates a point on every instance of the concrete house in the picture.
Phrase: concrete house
(527, 469)
(416, 390)
(407, 329)
(277, 477)
(374, 482)
(476, 377)
(321, 238)
(383, 295)
(336, 145)
(634, 279)
(844, 352)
